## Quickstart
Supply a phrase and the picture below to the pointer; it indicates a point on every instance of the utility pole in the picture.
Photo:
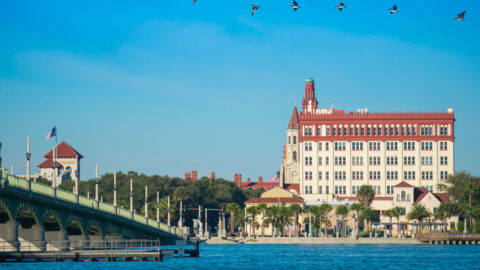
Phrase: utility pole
(96, 185)
(28, 163)
(115, 190)
(206, 222)
(168, 211)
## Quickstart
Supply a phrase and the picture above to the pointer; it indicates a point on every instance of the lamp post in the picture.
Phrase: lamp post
(146, 202)
(131, 197)
(28, 155)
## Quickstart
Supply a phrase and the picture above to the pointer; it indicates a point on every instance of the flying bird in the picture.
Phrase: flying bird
(295, 5)
(341, 6)
(254, 9)
(460, 16)
(393, 9)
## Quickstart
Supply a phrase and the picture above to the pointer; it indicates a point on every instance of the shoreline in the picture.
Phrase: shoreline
(312, 241)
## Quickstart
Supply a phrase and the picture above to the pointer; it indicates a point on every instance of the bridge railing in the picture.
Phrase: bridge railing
(70, 197)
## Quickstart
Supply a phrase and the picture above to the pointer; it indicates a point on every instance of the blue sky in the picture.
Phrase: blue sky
(162, 87)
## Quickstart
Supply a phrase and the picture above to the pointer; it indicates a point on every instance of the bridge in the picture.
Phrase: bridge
(34, 213)
(450, 238)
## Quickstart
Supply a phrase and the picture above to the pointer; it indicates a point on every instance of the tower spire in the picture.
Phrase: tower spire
(309, 102)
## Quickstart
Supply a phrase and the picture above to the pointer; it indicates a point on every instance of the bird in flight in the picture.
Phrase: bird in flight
(341, 6)
(194, 2)
(393, 9)
(460, 16)
(295, 5)
(254, 9)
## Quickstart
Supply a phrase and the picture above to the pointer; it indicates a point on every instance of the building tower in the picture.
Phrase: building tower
(290, 170)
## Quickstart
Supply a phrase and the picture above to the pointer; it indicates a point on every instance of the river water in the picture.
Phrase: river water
(273, 257)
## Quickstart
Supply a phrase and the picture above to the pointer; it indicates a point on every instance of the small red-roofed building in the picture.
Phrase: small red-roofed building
(67, 164)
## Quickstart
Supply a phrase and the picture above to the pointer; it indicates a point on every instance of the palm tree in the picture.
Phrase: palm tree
(272, 215)
(368, 215)
(445, 211)
(232, 208)
(365, 195)
(418, 212)
(252, 212)
(180, 194)
(342, 210)
(356, 207)
(262, 208)
(285, 217)
(389, 213)
(324, 210)
(296, 210)
(397, 212)
(316, 213)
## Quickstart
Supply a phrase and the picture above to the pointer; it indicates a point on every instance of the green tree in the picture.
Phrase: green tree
(273, 217)
(342, 210)
(445, 211)
(296, 210)
(324, 209)
(389, 213)
(232, 209)
(368, 215)
(356, 207)
(418, 212)
(262, 208)
(365, 195)
(252, 212)
(397, 212)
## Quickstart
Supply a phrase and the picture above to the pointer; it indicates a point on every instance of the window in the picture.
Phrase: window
(425, 130)
(357, 146)
(320, 189)
(443, 145)
(319, 176)
(392, 175)
(308, 175)
(319, 160)
(409, 146)
(319, 146)
(374, 175)
(427, 175)
(308, 146)
(368, 131)
(319, 132)
(392, 146)
(426, 146)
(294, 156)
(443, 160)
(307, 131)
(308, 189)
(389, 189)
(294, 139)
(357, 175)
(355, 189)
(443, 130)
(408, 160)
(289, 139)
(340, 160)
(429, 188)
(328, 131)
(326, 160)
(363, 131)
(392, 160)
(357, 160)
(374, 131)
(340, 190)
(326, 177)
(374, 160)
(308, 161)
(443, 175)
(327, 189)
(426, 160)
(356, 131)
(409, 175)
(340, 175)
(334, 131)
(340, 146)
(376, 189)
(374, 146)
(326, 146)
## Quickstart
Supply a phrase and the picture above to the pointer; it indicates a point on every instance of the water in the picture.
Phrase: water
(273, 257)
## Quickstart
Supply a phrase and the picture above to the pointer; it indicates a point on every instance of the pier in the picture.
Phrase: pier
(449, 238)
(93, 250)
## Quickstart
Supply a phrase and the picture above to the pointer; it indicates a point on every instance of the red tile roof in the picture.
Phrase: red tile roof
(341, 115)
(256, 185)
(64, 151)
(294, 119)
(292, 186)
(291, 200)
(419, 194)
(443, 197)
(48, 164)
(403, 184)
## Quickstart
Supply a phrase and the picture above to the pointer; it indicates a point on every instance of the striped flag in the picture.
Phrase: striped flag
(52, 133)
(275, 176)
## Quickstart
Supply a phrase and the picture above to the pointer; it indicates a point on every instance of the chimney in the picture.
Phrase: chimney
(187, 176)
(260, 180)
(235, 180)
(240, 178)
(212, 176)
(194, 175)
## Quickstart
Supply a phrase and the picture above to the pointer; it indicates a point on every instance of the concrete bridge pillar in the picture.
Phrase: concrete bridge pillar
(78, 241)
(31, 239)
(56, 240)
(9, 234)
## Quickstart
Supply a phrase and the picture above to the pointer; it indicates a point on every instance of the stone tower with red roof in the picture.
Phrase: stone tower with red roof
(67, 164)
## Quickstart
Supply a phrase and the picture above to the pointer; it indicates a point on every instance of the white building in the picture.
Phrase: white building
(331, 153)
(67, 164)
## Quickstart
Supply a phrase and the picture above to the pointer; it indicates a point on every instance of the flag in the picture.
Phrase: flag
(275, 176)
(52, 133)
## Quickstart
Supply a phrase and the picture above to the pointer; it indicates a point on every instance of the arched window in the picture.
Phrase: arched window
(408, 197)
(403, 196)
(288, 139)
(295, 155)
(294, 139)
